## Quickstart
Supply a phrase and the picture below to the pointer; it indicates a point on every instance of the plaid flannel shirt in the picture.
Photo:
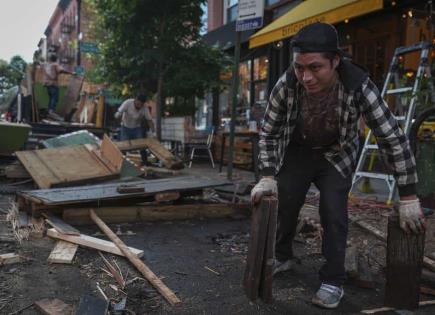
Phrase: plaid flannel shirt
(365, 99)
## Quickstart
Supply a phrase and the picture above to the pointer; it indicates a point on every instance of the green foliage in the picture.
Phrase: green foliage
(11, 73)
(144, 42)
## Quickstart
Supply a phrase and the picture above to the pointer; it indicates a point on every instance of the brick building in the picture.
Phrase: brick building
(69, 34)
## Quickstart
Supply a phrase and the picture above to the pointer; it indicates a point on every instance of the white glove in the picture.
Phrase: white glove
(411, 216)
(265, 187)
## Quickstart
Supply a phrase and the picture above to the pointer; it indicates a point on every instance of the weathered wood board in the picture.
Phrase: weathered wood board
(101, 192)
(92, 242)
(168, 159)
(53, 307)
(63, 253)
(65, 166)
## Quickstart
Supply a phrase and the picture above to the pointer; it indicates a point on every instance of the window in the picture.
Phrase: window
(271, 2)
(232, 10)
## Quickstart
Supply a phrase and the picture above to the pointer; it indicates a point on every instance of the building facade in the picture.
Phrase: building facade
(369, 31)
(69, 34)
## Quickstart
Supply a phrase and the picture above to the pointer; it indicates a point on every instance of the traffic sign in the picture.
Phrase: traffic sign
(250, 15)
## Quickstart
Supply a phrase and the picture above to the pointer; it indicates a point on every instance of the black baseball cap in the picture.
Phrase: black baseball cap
(316, 37)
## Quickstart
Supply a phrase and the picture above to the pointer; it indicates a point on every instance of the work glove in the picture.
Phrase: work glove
(265, 187)
(411, 216)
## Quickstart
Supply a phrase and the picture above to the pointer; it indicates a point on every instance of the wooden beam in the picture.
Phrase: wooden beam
(146, 272)
(53, 307)
(9, 258)
(427, 262)
(256, 248)
(63, 253)
(404, 263)
(59, 225)
(111, 154)
(92, 242)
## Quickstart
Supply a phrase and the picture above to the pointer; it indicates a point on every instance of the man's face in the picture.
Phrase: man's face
(314, 71)
(138, 104)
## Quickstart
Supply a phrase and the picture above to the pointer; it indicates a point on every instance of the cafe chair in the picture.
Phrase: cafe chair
(202, 146)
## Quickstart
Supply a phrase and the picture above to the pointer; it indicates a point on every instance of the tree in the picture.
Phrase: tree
(155, 46)
(11, 73)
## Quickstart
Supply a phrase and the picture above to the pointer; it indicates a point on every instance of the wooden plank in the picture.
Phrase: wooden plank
(167, 196)
(80, 194)
(53, 307)
(146, 272)
(63, 253)
(90, 305)
(71, 95)
(76, 116)
(266, 279)
(385, 309)
(60, 226)
(169, 160)
(427, 261)
(257, 244)
(152, 213)
(111, 153)
(92, 242)
(9, 258)
(404, 263)
(23, 219)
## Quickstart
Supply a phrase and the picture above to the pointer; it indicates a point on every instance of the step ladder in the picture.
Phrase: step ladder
(404, 113)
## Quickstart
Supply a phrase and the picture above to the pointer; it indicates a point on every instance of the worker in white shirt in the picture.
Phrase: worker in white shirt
(133, 113)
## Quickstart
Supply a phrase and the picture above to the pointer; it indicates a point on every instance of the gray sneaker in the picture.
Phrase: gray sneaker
(328, 296)
(280, 266)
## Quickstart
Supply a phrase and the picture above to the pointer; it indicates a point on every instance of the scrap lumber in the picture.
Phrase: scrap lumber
(43, 198)
(90, 305)
(92, 242)
(111, 154)
(60, 226)
(386, 308)
(405, 253)
(9, 258)
(146, 272)
(168, 159)
(255, 276)
(48, 166)
(269, 255)
(53, 307)
(71, 95)
(427, 261)
(63, 253)
(153, 212)
(115, 273)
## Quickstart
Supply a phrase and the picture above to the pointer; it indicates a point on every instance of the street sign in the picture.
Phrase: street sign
(250, 15)
(88, 47)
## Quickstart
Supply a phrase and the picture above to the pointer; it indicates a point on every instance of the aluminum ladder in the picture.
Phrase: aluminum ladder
(404, 119)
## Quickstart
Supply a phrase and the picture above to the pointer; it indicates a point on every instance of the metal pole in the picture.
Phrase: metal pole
(235, 89)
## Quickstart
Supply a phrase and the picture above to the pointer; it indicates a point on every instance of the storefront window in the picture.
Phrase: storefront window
(245, 81)
(260, 68)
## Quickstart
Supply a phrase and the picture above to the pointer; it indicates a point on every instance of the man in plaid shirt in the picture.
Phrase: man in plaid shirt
(310, 135)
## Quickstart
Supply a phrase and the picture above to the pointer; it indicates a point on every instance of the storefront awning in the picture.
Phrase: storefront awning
(310, 11)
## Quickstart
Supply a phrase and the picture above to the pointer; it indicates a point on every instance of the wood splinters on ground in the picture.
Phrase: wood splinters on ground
(211, 270)
(386, 308)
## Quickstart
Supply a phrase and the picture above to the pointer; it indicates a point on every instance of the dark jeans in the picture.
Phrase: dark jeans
(134, 133)
(53, 97)
(303, 166)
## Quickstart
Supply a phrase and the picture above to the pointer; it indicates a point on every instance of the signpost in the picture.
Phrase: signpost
(250, 16)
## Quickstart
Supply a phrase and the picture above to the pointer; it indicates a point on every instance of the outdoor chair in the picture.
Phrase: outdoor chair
(202, 146)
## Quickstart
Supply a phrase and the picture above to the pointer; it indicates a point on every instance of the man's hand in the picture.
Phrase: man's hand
(411, 215)
(265, 187)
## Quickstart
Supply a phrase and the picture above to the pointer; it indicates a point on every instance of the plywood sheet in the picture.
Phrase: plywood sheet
(64, 166)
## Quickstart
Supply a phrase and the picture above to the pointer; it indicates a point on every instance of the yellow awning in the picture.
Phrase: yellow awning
(310, 11)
